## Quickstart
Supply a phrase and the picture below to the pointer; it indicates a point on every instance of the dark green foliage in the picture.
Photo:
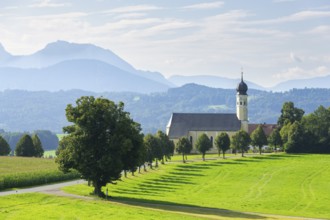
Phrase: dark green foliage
(166, 144)
(295, 141)
(153, 149)
(222, 142)
(240, 141)
(133, 148)
(184, 147)
(275, 139)
(203, 144)
(290, 114)
(4, 147)
(25, 147)
(258, 138)
(39, 151)
(18, 180)
(101, 134)
(317, 125)
(48, 139)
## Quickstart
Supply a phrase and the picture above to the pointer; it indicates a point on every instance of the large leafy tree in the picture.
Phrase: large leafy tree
(25, 147)
(39, 151)
(289, 114)
(184, 147)
(100, 134)
(203, 144)
(4, 147)
(241, 140)
(258, 138)
(275, 139)
(222, 142)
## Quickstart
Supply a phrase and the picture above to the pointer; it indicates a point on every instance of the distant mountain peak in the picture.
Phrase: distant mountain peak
(61, 47)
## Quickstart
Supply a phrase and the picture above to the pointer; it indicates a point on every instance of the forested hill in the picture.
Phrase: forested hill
(28, 111)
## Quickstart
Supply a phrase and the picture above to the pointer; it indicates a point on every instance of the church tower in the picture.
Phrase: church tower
(242, 104)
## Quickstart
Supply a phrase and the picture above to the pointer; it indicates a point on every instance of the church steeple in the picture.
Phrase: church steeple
(242, 87)
(242, 103)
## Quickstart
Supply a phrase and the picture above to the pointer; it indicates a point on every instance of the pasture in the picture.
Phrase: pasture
(293, 185)
(254, 187)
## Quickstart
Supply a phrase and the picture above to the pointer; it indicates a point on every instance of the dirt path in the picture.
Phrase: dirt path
(43, 188)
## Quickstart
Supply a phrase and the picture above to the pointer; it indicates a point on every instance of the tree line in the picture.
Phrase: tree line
(27, 146)
(48, 139)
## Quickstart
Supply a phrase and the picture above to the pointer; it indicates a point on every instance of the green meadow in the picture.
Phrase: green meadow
(41, 206)
(253, 187)
(282, 184)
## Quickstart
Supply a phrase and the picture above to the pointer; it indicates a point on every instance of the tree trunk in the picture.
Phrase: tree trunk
(183, 158)
(125, 173)
(144, 167)
(132, 173)
(203, 156)
(186, 157)
(223, 154)
(139, 169)
(97, 189)
(156, 162)
(242, 153)
(163, 162)
(260, 150)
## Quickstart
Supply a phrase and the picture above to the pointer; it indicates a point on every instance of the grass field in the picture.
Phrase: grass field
(27, 171)
(294, 185)
(288, 185)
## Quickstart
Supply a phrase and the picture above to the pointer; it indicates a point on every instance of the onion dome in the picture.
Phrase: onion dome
(242, 87)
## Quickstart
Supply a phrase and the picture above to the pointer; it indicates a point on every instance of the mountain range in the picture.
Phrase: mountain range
(64, 66)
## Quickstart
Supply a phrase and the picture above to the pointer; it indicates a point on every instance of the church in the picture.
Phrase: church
(192, 125)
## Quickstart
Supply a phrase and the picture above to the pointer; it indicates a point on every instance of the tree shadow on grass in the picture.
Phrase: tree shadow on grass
(184, 208)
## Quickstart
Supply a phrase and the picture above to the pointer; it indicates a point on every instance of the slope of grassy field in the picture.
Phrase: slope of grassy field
(294, 185)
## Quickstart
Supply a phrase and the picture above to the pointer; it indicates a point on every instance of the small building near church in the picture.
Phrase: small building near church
(192, 125)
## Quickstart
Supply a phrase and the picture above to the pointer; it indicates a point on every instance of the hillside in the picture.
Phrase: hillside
(28, 111)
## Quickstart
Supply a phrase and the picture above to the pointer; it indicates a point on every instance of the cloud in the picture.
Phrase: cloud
(300, 73)
(208, 5)
(135, 8)
(296, 17)
(322, 29)
(48, 4)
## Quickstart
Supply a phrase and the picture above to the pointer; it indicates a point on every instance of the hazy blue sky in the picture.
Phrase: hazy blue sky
(273, 40)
